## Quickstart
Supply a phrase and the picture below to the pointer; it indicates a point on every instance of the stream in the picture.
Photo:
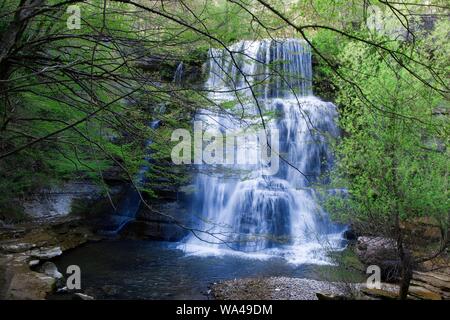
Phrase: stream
(136, 269)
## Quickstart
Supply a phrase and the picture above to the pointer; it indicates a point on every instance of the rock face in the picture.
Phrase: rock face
(58, 201)
(153, 230)
(166, 67)
(381, 252)
(25, 272)
(434, 282)
(152, 225)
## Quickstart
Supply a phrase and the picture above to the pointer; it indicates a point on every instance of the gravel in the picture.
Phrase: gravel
(276, 288)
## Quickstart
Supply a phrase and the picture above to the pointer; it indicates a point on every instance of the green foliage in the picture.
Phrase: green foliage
(393, 159)
(63, 77)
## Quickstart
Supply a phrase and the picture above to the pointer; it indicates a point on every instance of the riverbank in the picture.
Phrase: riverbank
(425, 286)
(34, 257)
(280, 288)
(27, 248)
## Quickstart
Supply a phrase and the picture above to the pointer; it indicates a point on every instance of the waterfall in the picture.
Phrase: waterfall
(178, 77)
(130, 203)
(249, 211)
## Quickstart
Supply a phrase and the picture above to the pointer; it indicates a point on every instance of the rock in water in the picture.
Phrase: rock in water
(46, 253)
(82, 296)
(50, 269)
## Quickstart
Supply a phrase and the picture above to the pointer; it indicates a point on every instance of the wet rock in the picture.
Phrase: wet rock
(50, 269)
(36, 241)
(45, 253)
(33, 263)
(82, 296)
(62, 290)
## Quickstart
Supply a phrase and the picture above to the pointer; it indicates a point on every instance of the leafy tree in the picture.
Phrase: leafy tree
(393, 159)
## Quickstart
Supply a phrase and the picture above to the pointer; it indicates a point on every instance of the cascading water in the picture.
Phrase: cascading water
(248, 210)
(130, 203)
(178, 77)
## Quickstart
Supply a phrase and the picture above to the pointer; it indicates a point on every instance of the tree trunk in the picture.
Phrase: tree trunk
(406, 276)
(10, 37)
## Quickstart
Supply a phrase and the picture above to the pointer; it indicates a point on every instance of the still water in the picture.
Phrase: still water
(133, 269)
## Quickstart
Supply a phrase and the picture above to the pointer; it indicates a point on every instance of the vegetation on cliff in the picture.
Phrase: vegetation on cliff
(76, 102)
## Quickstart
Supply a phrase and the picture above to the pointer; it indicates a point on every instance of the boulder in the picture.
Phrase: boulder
(381, 252)
(45, 253)
(30, 286)
(50, 269)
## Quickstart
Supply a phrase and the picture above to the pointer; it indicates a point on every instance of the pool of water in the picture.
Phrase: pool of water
(129, 269)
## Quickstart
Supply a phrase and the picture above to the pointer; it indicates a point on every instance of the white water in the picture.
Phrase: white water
(245, 211)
